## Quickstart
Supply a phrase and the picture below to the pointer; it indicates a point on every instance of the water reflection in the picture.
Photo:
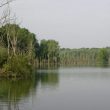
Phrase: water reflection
(79, 88)
(12, 93)
(48, 77)
(85, 72)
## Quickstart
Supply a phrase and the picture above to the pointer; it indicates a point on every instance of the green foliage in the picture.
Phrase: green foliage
(84, 56)
(103, 56)
(49, 51)
(19, 48)
(43, 49)
(53, 49)
(22, 48)
(18, 51)
(18, 66)
(27, 41)
(20, 38)
(3, 55)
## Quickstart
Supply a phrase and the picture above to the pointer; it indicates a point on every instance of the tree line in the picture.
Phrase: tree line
(85, 56)
(20, 51)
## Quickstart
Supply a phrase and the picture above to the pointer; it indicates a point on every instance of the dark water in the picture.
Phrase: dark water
(59, 89)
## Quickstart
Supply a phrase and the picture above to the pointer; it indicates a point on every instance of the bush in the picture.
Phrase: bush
(18, 66)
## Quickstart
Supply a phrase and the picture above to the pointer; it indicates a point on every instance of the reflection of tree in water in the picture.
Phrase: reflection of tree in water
(48, 77)
(12, 91)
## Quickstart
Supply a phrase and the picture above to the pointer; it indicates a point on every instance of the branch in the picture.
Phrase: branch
(7, 2)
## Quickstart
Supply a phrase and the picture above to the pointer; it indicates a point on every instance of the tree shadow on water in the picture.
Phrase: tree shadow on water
(12, 93)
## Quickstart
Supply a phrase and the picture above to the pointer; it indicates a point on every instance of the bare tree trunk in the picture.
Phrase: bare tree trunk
(6, 20)
(13, 42)
(8, 46)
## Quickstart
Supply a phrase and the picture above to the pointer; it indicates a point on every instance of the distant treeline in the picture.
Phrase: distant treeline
(85, 56)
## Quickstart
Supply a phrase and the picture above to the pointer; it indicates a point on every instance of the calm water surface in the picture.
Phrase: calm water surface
(78, 88)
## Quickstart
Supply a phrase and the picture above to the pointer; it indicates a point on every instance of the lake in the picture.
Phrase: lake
(64, 88)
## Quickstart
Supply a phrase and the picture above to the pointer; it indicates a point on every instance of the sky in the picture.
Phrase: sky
(74, 23)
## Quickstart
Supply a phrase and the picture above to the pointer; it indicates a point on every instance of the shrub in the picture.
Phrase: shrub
(18, 66)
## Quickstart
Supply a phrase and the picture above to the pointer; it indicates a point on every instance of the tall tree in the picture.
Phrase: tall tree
(103, 56)
(49, 51)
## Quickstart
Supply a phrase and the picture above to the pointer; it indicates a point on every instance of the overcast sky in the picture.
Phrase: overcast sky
(74, 23)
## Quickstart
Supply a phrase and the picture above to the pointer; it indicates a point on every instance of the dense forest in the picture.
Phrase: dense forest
(20, 51)
(85, 56)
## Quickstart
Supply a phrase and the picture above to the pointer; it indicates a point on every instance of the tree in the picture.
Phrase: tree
(20, 39)
(53, 51)
(49, 51)
(23, 49)
(43, 50)
(103, 57)
(20, 43)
